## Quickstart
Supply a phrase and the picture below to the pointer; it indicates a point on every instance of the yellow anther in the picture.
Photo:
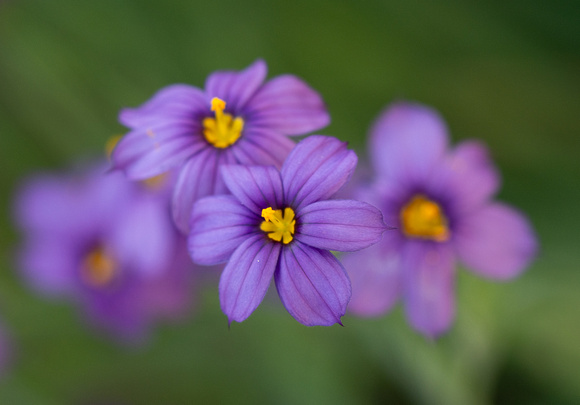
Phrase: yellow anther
(423, 218)
(279, 227)
(217, 104)
(155, 182)
(98, 268)
(111, 143)
(223, 130)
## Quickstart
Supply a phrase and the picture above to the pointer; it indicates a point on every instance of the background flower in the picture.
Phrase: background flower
(440, 202)
(237, 119)
(106, 243)
(281, 224)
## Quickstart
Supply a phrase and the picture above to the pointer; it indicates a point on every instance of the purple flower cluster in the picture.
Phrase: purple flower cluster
(107, 243)
(238, 119)
(440, 201)
(282, 224)
(246, 195)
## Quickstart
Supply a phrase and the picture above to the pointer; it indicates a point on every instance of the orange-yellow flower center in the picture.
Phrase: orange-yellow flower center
(223, 130)
(278, 226)
(423, 218)
(98, 268)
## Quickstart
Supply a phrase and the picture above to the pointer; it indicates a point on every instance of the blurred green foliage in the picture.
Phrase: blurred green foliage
(506, 72)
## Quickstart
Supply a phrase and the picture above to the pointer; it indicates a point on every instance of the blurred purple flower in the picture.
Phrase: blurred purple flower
(107, 243)
(281, 224)
(440, 201)
(238, 119)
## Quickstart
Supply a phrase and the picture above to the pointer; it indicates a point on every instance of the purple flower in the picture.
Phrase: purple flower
(440, 201)
(281, 224)
(238, 119)
(108, 244)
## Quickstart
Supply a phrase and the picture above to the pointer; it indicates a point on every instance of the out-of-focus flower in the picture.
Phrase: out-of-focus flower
(281, 224)
(440, 201)
(238, 119)
(107, 243)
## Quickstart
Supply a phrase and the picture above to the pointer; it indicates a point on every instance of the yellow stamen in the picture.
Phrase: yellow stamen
(155, 182)
(423, 218)
(111, 143)
(223, 130)
(279, 227)
(98, 268)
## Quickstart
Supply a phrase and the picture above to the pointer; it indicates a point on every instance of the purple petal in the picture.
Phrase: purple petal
(118, 312)
(246, 277)
(144, 236)
(46, 203)
(496, 241)
(316, 169)
(256, 187)
(429, 286)
(178, 102)
(218, 226)
(198, 178)
(262, 147)
(50, 265)
(170, 294)
(375, 274)
(312, 285)
(287, 105)
(473, 177)
(235, 88)
(407, 142)
(342, 225)
(147, 152)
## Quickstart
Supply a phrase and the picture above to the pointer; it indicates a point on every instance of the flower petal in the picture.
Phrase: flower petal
(262, 147)
(198, 178)
(50, 265)
(407, 142)
(375, 274)
(342, 225)
(246, 277)
(219, 225)
(46, 203)
(473, 177)
(145, 236)
(316, 169)
(256, 187)
(429, 282)
(288, 105)
(312, 285)
(496, 241)
(150, 151)
(178, 102)
(236, 88)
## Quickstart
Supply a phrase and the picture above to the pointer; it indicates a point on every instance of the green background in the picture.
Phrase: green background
(506, 72)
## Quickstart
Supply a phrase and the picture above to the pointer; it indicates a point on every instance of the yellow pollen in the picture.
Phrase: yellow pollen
(223, 130)
(155, 182)
(110, 145)
(423, 218)
(279, 227)
(98, 268)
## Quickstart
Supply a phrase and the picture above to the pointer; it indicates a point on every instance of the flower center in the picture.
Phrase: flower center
(423, 218)
(279, 227)
(98, 268)
(223, 130)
